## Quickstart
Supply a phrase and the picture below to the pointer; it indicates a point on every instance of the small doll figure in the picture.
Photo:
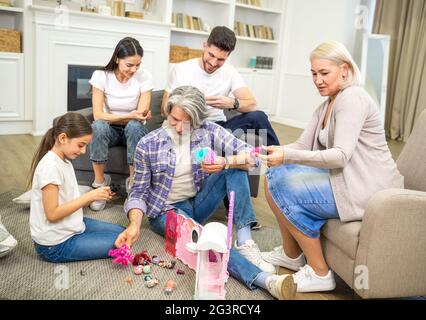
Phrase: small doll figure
(170, 286)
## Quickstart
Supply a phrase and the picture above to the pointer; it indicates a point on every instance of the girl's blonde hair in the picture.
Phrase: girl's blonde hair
(73, 124)
(337, 53)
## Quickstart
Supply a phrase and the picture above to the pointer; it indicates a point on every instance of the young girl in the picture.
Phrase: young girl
(59, 231)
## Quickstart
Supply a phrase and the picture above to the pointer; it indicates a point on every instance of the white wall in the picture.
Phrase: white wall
(308, 24)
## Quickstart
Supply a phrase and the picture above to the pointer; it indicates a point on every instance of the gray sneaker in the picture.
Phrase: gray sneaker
(99, 204)
(7, 241)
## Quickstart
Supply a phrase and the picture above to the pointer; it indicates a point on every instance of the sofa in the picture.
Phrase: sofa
(384, 255)
(117, 166)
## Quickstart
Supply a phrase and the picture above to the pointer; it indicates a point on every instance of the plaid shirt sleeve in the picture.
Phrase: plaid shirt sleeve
(231, 145)
(141, 182)
(226, 141)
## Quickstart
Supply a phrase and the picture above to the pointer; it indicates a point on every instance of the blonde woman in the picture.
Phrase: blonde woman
(340, 160)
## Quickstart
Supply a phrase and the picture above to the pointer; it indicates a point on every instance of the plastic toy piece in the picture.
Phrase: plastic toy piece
(170, 286)
(213, 249)
(129, 280)
(155, 260)
(121, 255)
(255, 151)
(205, 155)
(141, 259)
(151, 282)
(146, 269)
(180, 271)
(138, 270)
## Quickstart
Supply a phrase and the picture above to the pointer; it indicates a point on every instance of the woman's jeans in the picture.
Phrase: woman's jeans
(94, 243)
(204, 204)
(107, 135)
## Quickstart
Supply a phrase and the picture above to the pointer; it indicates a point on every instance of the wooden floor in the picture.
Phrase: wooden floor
(17, 152)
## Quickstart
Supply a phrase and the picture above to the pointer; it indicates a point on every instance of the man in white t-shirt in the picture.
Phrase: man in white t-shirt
(218, 81)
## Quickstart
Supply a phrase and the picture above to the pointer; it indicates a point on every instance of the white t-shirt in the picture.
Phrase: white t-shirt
(53, 170)
(222, 82)
(183, 186)
(121, 98)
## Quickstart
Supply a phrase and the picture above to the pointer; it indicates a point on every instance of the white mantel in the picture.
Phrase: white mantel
(79, 38)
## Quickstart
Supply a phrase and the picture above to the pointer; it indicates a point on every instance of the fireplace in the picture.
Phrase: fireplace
(79, 89)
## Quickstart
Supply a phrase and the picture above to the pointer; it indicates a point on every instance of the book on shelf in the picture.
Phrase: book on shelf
(184, 21)
(253, 31)
(257, 3)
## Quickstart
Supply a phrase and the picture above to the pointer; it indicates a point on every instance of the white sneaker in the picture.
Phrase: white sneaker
(307, 280)
(281, 287)
(100, 204)
(278, 258)
(251, 252)
(7, 241)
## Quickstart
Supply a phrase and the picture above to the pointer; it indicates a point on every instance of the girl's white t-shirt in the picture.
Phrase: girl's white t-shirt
(121, 98)
(53, 170)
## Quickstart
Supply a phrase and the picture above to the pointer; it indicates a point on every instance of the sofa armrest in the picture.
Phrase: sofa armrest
(391, 252)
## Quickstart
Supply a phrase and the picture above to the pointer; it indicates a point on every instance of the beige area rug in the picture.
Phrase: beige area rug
(24, 276)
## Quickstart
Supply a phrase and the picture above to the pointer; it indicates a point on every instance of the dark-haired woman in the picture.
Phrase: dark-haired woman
(121, 99)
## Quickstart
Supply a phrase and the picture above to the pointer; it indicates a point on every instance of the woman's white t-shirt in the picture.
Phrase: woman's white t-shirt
(53, 170)
(222, 82)
(121, 98)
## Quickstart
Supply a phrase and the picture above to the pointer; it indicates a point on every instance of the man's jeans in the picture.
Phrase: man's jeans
(106, 136)
(257, 121)
(204, 204)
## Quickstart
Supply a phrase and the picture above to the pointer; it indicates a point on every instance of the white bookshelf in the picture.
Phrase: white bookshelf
(12, 64)
(11, 9)
(225, 13)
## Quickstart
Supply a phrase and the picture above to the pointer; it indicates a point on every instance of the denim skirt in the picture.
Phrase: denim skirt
(304, 196)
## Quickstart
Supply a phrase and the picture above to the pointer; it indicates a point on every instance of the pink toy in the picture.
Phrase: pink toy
(213, 250)
(121, 255)
(205, 155)
(255, 151)
(181, 232)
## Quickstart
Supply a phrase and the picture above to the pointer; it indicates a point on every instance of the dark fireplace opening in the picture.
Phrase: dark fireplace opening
(79, 89)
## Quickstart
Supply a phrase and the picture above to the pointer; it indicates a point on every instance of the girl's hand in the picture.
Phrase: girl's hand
(101, 194)
(274, 157)
(128, 236)
(140, 116)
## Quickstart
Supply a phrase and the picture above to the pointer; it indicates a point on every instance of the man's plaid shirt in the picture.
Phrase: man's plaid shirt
(155, 162)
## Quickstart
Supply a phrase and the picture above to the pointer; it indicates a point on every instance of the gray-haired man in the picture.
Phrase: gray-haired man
(167, 176)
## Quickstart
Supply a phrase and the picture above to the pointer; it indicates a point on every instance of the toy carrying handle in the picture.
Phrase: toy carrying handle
(230, 218)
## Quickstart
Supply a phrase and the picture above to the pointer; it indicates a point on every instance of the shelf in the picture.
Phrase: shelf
(16, 55)
(254, 70)
(11, 9)
(254, 8)
(218, 1)
(190, 31)
(257, 40)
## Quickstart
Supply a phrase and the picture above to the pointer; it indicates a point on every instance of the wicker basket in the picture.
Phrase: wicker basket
(194, 53)
(6, 3)
(178, 54)
(10, 40)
